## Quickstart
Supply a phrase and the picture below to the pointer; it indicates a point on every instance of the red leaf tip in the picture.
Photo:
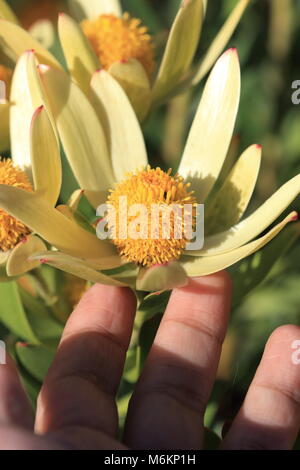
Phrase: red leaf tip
(295, 217)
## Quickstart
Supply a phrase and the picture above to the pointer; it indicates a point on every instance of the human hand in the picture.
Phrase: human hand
(77, 409)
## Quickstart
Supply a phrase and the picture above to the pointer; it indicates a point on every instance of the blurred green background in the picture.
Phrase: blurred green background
(268, 42)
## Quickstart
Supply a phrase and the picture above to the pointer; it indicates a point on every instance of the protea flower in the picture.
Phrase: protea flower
(107, 154)
(106, 38)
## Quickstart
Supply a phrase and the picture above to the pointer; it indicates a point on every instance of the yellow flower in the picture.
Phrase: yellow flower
(114, 41)
(96, 155)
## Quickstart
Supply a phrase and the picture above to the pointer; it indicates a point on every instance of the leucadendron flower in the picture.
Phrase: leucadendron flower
(102, 36)
(107, 154)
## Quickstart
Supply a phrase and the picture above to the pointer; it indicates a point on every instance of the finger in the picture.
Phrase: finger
(270, 416)
(167, 408)
(12, 438)
(14, 405)
(82, 382)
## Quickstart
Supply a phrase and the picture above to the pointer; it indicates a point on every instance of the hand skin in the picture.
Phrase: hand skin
(77, 409)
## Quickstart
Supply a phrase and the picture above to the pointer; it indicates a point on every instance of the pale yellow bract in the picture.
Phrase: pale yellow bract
(103, 142)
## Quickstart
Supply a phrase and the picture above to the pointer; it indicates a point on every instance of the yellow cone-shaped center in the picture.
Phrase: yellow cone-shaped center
(160, 225)
(117, 39)
(11, 230)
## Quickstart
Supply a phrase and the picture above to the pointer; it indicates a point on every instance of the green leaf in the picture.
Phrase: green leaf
(153, 304)
(132, 365)
(252, 271)
(13, 314)
(146, 337)
(46, 328)
(31, 385)
(211, 440)
(35, 359)
(122, 404)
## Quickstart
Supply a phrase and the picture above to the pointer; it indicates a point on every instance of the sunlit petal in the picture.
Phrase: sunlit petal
(255, 224)
(211, 132)
(45, 157)
(127, 146)
(208, 265)
(26, 95)
(80, 131)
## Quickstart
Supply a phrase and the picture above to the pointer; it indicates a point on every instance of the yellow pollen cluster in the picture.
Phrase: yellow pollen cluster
(120, 39)
(11, 230)
(150, 187)
(6, 77)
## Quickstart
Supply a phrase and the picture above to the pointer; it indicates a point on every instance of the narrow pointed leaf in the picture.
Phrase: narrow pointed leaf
(45, 157)
(12, 313)
(81, 59)
(35, 359)
(18, 41)
(53, 227)
(181, 47)
(220, 41)
(26, 95)
(254, 224)
(127, 146)
(231, 201)
(203, 266)
(212, 129)
(80, 131)
(18, 262)
(7, 13)
(74, 266)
